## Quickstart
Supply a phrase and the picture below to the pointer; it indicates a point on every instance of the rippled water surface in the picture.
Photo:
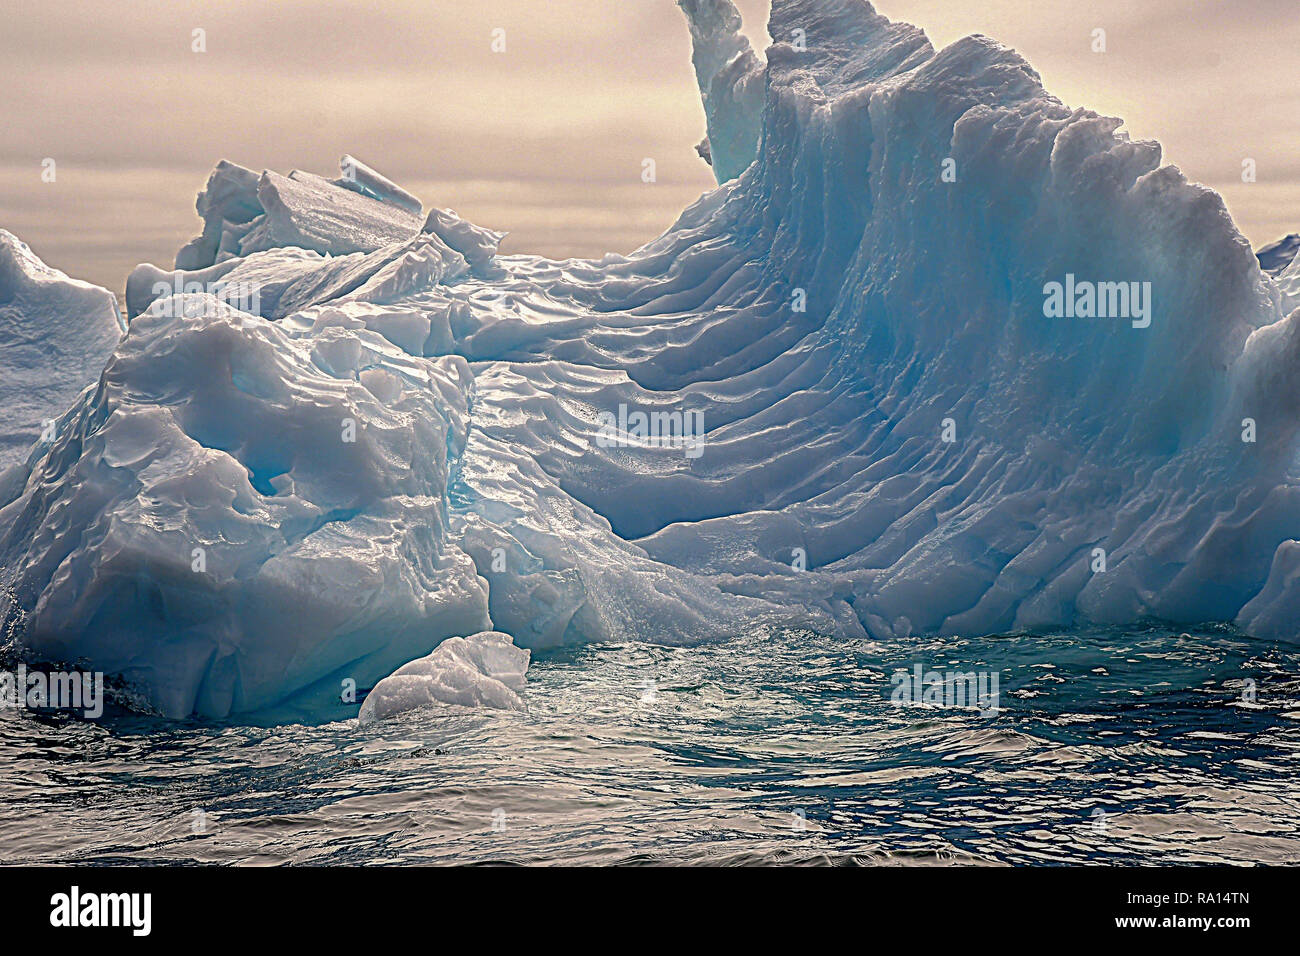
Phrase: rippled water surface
(1109, 746)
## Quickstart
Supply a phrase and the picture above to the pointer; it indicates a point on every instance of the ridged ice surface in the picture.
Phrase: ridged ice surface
(895, 439)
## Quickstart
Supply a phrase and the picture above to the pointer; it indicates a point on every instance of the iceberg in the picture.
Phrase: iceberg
(477, 245)
(836, 394)
(731, 79)
(482, 670)
(1275, 257)
(237, 518)
(245, 212)
(1281, 262)
(359, 177)
(56, 333)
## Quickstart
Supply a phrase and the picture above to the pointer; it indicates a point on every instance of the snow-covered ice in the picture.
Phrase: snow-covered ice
(898, 437)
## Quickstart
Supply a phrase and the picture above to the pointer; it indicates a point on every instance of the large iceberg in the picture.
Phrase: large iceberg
(941, 355)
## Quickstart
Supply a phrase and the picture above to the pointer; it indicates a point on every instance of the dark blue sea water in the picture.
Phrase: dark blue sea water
(1108, 746)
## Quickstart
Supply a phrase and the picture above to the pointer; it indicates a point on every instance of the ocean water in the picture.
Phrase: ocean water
(1107, 746)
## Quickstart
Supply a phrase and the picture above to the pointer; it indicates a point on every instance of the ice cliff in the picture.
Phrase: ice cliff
(834, 394)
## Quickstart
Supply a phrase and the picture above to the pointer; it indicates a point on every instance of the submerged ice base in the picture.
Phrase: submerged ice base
(403, 438)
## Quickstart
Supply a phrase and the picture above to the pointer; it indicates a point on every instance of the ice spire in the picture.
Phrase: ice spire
(730, 76)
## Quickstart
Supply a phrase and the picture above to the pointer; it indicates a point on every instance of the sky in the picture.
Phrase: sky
(546, 139)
